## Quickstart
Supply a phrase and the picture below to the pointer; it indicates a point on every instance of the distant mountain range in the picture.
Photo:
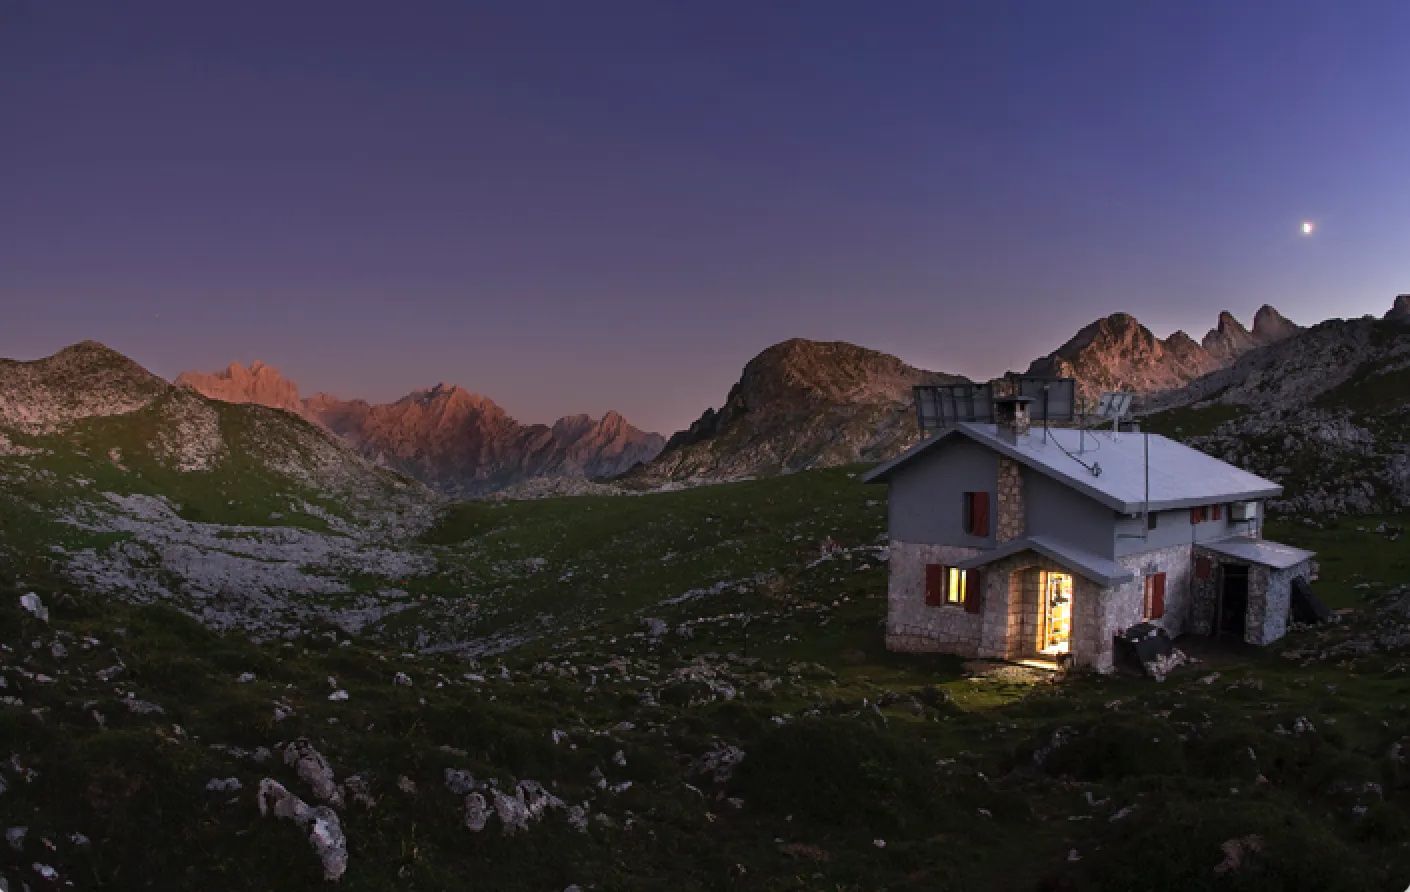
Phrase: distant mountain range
(459, 442)
(1119, 353)
(799, 404)
(89, 413)
(803, 404)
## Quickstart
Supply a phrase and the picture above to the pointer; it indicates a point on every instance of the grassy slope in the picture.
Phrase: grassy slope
(872, 746)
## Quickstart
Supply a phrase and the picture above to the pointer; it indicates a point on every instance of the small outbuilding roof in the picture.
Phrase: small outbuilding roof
(1103, 571)
(1259, 551)
(1180, 477)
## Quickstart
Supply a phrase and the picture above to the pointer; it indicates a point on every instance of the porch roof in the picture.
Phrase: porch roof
(1259, 551)
(1098, 569)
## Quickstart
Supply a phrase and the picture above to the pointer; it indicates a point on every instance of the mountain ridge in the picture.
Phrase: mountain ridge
(799, 404)
(1118, 352)
(454, 439)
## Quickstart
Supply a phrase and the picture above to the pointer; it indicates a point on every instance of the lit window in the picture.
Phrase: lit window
(950, 586)
(955, 587)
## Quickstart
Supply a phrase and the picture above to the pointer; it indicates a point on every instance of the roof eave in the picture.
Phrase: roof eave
(1218, 498)
(882, 471)
(1019, 546)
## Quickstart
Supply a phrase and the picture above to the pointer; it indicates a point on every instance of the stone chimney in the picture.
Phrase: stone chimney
(1011, 417)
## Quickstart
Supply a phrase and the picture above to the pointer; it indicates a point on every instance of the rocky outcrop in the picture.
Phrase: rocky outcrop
(1228, 339)
(86, 380)
(455, 440)
(799, 404)
(258, 383)
(1270, 326)
(1325, 411)
(1119, 353)
(1400, 310)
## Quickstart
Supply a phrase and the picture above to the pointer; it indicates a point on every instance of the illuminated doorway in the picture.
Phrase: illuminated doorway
(1057, 613)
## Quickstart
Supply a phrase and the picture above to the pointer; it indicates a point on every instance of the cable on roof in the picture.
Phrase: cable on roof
(1095, 469)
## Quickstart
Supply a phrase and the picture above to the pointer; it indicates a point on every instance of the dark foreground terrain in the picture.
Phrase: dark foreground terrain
(693, 695)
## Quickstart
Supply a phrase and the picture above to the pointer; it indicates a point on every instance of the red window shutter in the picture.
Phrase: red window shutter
(1217, 512)
(979, 514)
(1157, 596)
(934, 585)
(1204, 568)
(973, 591)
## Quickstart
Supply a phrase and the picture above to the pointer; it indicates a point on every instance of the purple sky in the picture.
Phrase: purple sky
(581, 206)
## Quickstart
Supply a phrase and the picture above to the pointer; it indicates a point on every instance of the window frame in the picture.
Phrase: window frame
(972, 514)
(970, 587)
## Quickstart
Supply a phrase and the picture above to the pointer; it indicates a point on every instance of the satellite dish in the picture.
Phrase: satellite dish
(1113, 405)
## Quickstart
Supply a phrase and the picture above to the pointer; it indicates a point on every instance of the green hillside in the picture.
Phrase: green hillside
(861, 769)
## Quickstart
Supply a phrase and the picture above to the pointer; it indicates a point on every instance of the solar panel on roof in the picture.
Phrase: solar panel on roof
(1113, 404)
(941, 405)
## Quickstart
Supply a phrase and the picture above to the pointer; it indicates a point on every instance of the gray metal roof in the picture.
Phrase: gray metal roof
(1180, 477)
(1103, 571)
(1259, 551)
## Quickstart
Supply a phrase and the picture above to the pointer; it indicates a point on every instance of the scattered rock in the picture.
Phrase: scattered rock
(460, 782)
(325, 830)
(1236, 851)
(142, 707)
(477, 812)
(35, 606)
(314, 770)
(719, 763)
(360, 791)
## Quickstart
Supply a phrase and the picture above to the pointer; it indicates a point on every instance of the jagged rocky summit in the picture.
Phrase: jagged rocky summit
(457, 441)
(1119, 353)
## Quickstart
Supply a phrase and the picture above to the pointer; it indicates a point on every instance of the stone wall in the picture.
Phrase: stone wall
(1270, 601)
(913, 626)
(1269, 597)
(1204, 596)
(1010, 518)
(1125, 605)
(1128, 603)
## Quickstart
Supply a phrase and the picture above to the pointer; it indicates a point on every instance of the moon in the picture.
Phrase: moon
(1308, 227)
